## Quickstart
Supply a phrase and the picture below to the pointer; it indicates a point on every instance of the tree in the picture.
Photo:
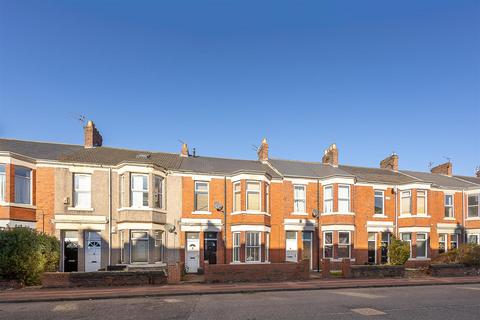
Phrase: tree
(398, 252)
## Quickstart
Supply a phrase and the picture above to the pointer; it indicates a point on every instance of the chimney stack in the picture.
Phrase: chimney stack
(477, 172)
(262, 151)
(93, 138)
(331, 155)
(184, 152)
(390, 163)
(444, 168)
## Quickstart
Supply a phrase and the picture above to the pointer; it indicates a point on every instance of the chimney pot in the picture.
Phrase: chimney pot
(184, 151)
(444, 168)
(330, 155)
(92, 137)
(262, 152)
(390, 162)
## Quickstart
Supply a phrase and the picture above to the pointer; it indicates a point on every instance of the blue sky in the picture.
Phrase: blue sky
(372, 76)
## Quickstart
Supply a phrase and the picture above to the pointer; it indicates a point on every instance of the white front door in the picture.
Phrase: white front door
(291, 246)
(192, 252)
(93, 251)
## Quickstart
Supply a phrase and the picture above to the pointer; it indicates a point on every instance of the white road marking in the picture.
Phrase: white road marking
(358, 294)
(65, 307)
(172, 300)
(368, 312)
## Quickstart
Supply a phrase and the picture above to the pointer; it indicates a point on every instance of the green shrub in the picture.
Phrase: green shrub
(398, 252)
(25, 254)
(467, 254)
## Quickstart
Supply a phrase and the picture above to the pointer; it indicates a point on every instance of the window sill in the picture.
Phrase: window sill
(299, 214)
(250, 212)
(250, 262)
(473, 219)
(404, 216)
(380, 216)
(419, 259)
(18, 205)
(79, 209)
(449, 219)
(338, 213)
(201, 212)
(140, 209)
(340, 259)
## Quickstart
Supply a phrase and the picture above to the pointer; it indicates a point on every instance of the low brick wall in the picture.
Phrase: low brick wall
(452, 270)
(103, 279)
(373, 271)
(287, 271)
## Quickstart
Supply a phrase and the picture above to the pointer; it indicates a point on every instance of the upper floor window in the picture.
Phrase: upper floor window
(82, 195)
(201, 196)
(343, 198)
(122, 190)
(421, 202)
(473, 206)
(23, 185)
(406, 202)
(253, 196)
(237, 196)
(267, 197)
(448, 206)
(158, 192)
(328, 199)
(299, 198)
(379, 202)
(3, 183)
(139, 190)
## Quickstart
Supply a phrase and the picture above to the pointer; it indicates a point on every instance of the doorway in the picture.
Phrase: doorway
(93, 251)
(307, 237)
(291, 246)
(372, 248)
(210, 248)
(70, 251)
(192, 252)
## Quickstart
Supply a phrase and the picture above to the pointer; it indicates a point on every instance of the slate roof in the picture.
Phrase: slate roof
(377, 175)
(474, 180)
(302, 169)
(38, 150)
(439, 180)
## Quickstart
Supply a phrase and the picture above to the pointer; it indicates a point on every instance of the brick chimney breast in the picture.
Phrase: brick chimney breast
(330, 155)
(444, 168)
(262, 151)
(390, 163)
(184, 152)
(92, 136)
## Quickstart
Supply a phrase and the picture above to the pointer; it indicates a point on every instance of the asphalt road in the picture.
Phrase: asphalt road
(431, 302)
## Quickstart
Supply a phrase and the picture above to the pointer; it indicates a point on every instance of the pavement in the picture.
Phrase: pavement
(420, 302)
(73, 294)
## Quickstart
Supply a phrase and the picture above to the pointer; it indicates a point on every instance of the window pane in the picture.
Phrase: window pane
(406, 204)
(328, 193)
(236, 187)
(343, 238)
(343, 205)
(253, 201)
(406, 237)
(421, 202)
(448, 200)
(472, 238)
(201, 186)
(201, 202)
(472, 211)
(473, 200)
(291, 235)
(238, 199)
(328, 238)
(343, 192)
(378, 202)
(253, 186)
(22, 188)
(3, 183)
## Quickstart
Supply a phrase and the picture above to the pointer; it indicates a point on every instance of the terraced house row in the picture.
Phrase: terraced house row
(113, 206)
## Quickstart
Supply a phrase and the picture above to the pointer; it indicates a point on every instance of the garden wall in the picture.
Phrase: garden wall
(372, 271)
(452, 270)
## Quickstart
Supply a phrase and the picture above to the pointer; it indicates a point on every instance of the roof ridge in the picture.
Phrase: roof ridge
(301, 161)
(44, 142)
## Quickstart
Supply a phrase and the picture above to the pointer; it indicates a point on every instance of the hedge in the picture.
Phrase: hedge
(26, 253)
(398, 252)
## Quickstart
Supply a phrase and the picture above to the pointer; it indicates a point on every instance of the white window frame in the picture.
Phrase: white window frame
(259, 246)
(132, 190)
(142, 239)
(343, 199)
(325, 245)
(376, 245)
(454, 239)
(196, 192)
(30, 185)
(237, 206)
(248, 192)
(297, 200)
(77, 191)
(425, 199)
(449, 206)
(267, 246)
(426, 245)
(409, 241)
(160, 194)
(476, 235)
(402, 196)
(472, 206)
(349, 245)
(159, 243)
(267, 198)
(445, 242)
(122, 191)
(327, 200)
(375, 196)
(3, 181)
(236, 246)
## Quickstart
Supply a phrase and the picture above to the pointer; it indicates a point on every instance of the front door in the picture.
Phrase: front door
(70, 251)
(210, 248)
(291, 246)
(307, 246)
(192, 252)
(93, 251)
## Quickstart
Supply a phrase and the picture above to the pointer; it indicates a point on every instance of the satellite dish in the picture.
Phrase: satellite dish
(170, 227)
(218, 206)
(315, 213)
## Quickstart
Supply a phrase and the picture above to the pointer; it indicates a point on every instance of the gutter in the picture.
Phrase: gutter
(225, 220)
(110, 216)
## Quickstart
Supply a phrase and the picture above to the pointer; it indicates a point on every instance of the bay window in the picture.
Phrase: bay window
(328, 199)
(158, 245)
(139, 246)
(236, 247)
(122, 190)
(267, 198)
(237, 197)
(139, 190)
(252, 247)
(299, 198)
(343, 198)
(201, 196)
(473, 206)
(3, 183)
(158, 192)
(23, 185)
(422, 245)
(449, 206)
(406, 202)
(253, 196)
(421, 202)
(82, 191)
(472, 238)
(328, 245)
(454, 241)
(379, 202)
(344, 244)
(442, 243)
(407, 237)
